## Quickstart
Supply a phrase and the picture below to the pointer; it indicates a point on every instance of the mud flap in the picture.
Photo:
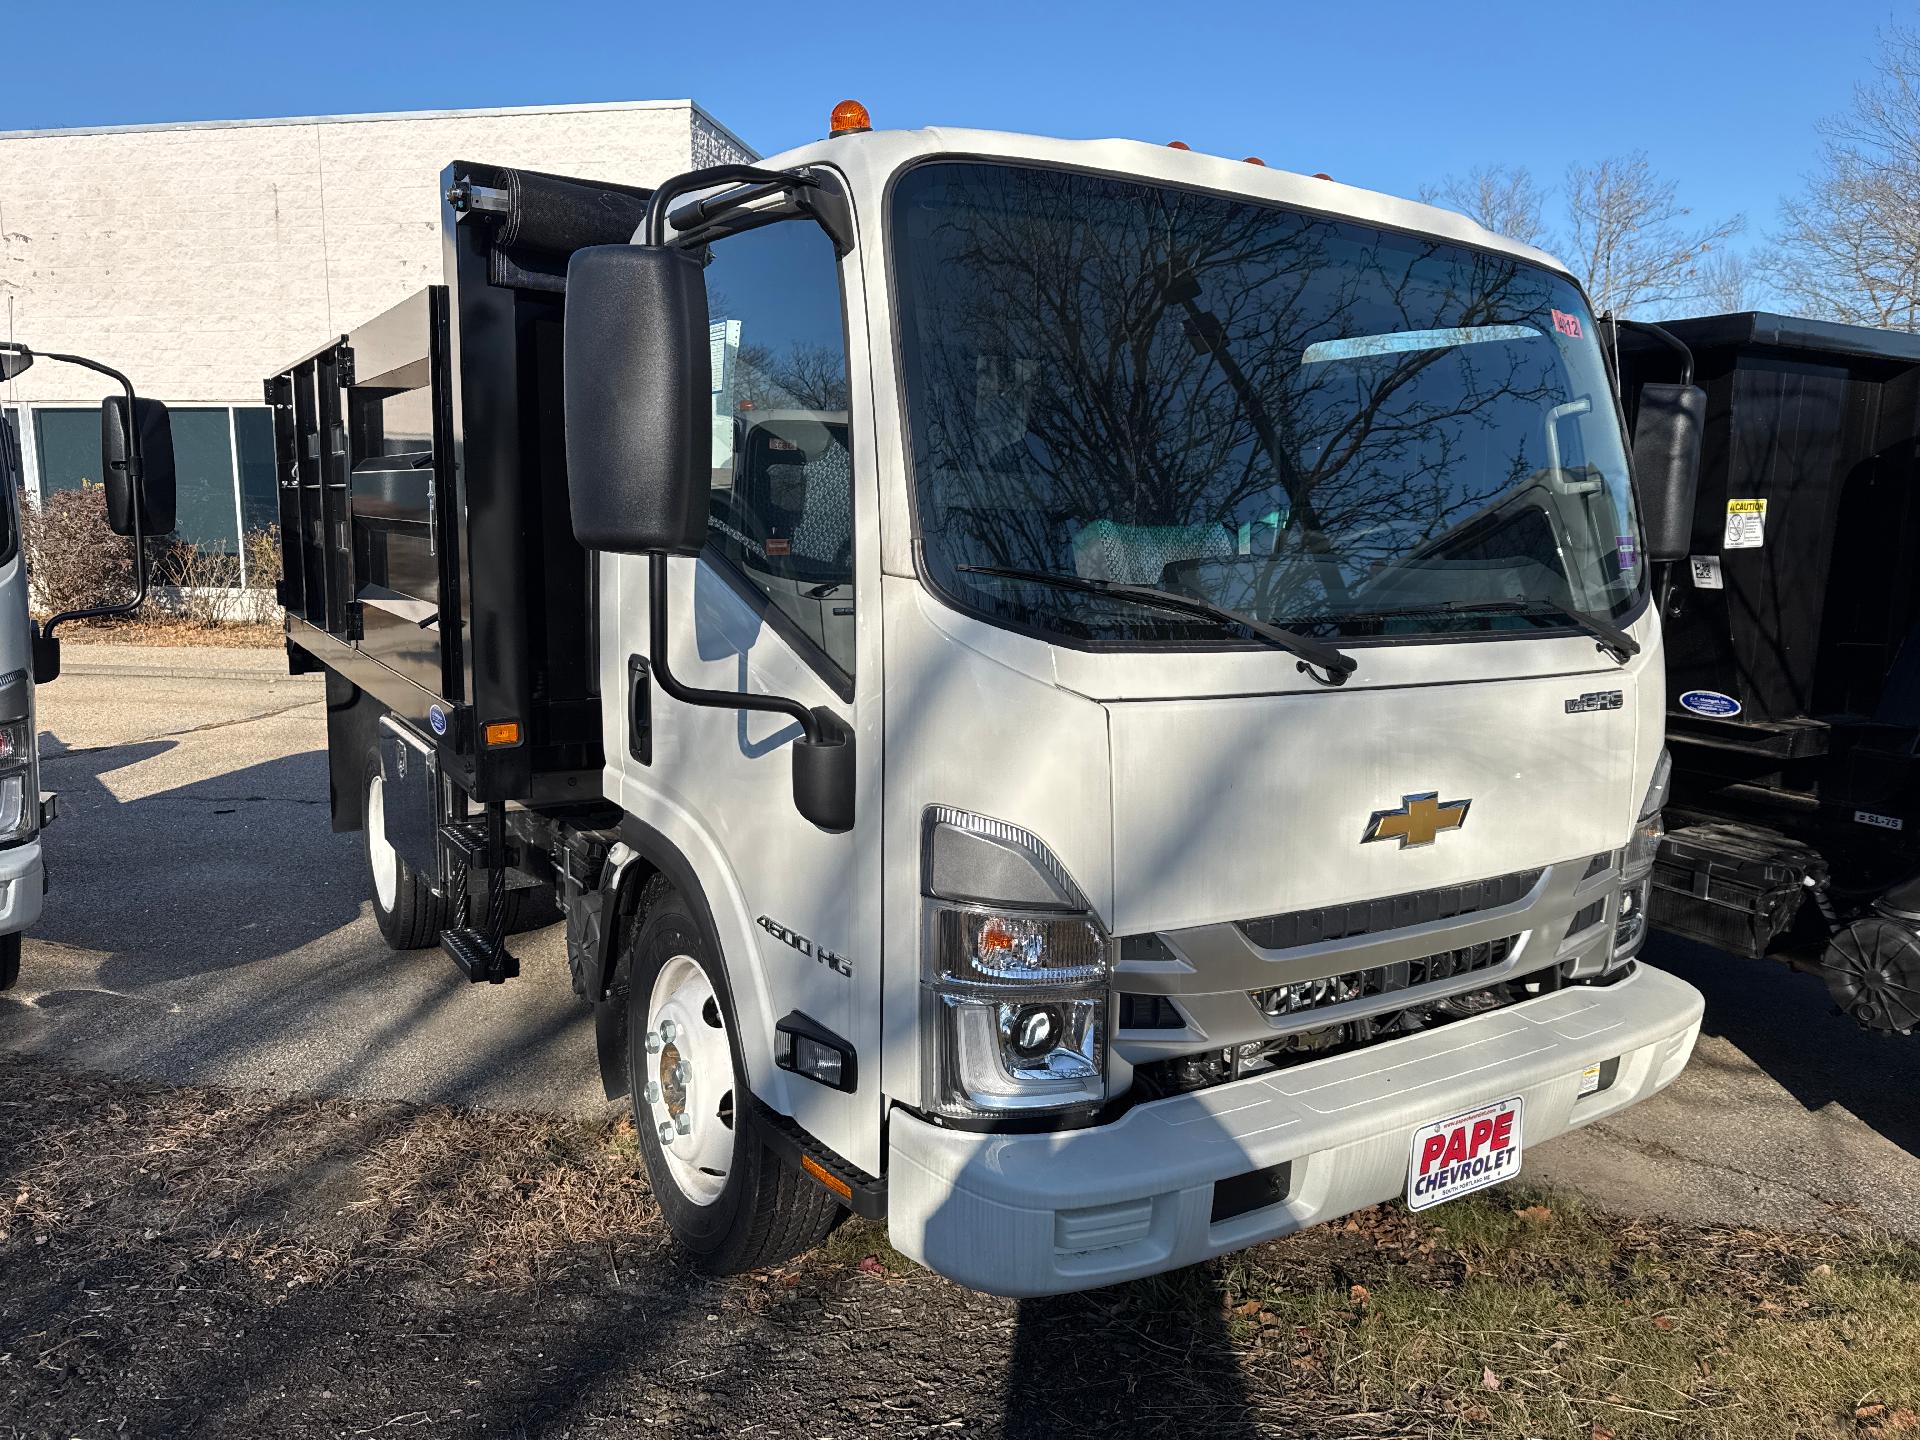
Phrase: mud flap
(610, 1039)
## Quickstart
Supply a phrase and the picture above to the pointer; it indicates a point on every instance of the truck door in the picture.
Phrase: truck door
(773, 606)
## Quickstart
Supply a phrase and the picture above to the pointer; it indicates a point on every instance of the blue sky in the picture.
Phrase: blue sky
(1722, 97)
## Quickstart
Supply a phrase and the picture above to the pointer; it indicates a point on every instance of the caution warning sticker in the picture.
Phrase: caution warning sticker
(1746, 525)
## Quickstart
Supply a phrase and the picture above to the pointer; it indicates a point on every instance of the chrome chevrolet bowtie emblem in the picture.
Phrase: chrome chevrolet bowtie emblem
(1417, 821)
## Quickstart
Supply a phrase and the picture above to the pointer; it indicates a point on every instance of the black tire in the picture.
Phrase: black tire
(9, 960)
(765, 1212)
(531, 908)
(416, 916)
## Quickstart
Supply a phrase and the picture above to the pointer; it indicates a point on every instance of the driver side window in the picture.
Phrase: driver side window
(781, 511)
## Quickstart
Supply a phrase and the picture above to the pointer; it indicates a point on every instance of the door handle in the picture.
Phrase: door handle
(639, 709)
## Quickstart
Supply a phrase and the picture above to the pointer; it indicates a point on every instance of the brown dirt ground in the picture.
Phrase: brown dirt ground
(228, 1264)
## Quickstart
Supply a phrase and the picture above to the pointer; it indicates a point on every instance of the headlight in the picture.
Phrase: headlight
(1015, 975)
(1648, 829)
(19, 766)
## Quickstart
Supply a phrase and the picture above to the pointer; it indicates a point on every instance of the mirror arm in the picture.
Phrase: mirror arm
(96, 612)
(809, 722)
(1665, 337)
(653, 229)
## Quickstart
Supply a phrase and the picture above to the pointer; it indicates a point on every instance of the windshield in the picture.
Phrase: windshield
(1345, 431)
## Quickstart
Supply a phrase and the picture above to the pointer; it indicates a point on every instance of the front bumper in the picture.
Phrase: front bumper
(22, 886)
(1040, 1214)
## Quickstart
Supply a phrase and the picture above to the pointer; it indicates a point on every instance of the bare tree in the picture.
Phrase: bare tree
(1849, 247)
(1628, 238)
(1503, 198)
(1727, 282)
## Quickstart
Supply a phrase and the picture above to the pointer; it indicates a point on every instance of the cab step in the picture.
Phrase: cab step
(479, 956)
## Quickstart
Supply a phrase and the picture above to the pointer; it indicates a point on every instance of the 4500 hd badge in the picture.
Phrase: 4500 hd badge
(839, 964)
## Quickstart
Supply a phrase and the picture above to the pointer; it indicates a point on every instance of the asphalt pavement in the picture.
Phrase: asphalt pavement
(205, 926)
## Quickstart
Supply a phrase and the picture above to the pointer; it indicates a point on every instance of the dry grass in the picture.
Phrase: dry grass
(343, 1244)
(159, 629)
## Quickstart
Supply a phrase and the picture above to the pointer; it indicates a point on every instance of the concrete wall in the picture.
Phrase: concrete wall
(199, 258)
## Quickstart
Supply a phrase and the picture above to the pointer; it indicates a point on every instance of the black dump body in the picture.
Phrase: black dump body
(429, 558)
(1793, 636)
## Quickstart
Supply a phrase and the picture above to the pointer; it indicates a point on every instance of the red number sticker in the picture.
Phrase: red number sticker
(1568, 325)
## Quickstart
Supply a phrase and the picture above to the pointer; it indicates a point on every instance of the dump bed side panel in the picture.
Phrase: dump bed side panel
(427, 543)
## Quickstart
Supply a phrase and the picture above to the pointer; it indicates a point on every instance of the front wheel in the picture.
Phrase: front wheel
(9, 960)
(727, 1198)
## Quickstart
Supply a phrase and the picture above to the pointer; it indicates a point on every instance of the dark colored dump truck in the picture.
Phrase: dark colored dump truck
(1793, 655)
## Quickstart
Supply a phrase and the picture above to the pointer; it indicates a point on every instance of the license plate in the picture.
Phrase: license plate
(1468, 1152)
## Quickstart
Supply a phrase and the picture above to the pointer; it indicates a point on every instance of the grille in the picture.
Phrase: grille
(1600, 864)
(1393, 912)
(1277, 1002)
(1149, 1012)
(1589, 916)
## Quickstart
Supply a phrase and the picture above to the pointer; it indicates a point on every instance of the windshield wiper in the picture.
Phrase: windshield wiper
(1336, 663)
(1615, 641)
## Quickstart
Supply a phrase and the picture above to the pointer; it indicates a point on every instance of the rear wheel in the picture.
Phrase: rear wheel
(727, 1198)
(409, 914)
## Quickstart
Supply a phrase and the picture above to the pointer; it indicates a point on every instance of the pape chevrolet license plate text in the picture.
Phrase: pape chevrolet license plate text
(1469, 1152)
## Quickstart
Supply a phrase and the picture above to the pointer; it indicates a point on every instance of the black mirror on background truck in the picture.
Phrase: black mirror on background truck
(154, 491)
(1666, 466)
(137, 464)
(639, 417)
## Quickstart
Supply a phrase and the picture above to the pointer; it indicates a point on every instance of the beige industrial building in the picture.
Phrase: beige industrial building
(199, 258)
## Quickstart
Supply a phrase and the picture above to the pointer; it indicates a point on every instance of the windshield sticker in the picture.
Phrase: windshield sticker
(1706, 572)
(1882, 822)
(1710, 702)
(1627, 548)
(1567, 325)
(1746, 525)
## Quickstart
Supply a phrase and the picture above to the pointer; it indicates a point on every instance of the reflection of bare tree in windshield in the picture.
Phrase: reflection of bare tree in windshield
(1112, 380)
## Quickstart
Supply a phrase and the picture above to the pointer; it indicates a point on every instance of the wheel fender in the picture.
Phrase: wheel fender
(653, 853)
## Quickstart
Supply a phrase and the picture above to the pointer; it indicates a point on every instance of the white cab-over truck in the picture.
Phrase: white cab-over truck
(136, 467)
(1097, 702)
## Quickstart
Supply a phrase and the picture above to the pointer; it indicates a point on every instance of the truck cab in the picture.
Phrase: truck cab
(1128, 712)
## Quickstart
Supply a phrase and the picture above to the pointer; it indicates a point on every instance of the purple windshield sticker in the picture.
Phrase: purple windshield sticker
(1628, 549)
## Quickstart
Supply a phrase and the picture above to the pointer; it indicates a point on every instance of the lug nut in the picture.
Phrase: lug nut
(653, 1043)
(683, 1124)
(668, 1030)
(666, 1132)
(653, 1092)
(681, 1073)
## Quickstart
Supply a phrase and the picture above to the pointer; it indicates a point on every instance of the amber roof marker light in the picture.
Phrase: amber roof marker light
(849, 118)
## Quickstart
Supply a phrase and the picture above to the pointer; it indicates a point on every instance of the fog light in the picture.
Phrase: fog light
(804, 1046)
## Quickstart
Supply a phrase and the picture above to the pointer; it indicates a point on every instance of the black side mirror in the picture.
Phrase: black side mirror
(639, 403)
(156, 481)
(1666, 465)
(14, 359)
(46, 658)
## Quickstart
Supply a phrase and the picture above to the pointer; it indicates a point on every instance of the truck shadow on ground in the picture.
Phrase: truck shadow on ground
(234, 937)
(1153, 1357)
(1783, 1021)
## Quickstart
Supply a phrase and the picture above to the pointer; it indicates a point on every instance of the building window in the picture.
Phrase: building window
(67, 445)
(225, 483)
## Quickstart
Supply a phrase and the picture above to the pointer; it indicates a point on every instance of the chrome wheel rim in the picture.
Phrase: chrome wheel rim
(688, 1069)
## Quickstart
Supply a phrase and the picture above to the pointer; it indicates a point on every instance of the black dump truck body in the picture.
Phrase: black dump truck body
(429, 557)
(430, 565)
(1793, 654)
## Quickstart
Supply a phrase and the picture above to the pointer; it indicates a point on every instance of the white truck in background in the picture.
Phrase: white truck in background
(136, 466)
(1097, 702)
